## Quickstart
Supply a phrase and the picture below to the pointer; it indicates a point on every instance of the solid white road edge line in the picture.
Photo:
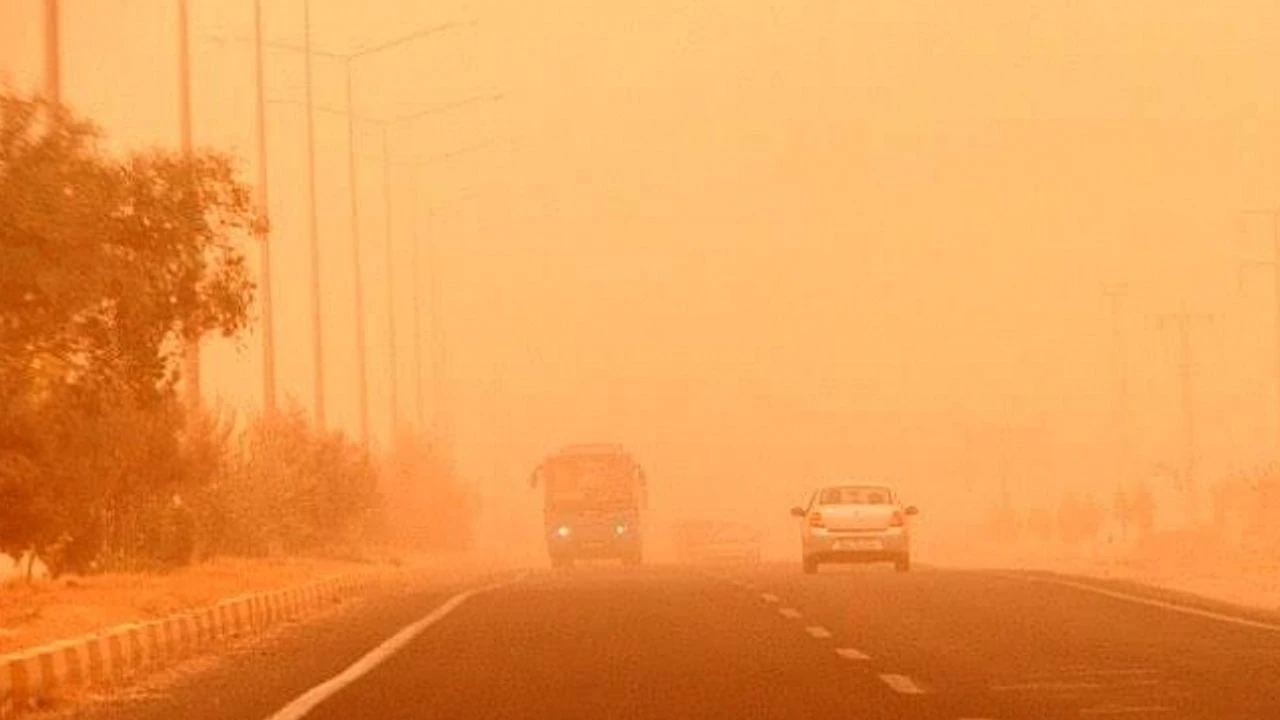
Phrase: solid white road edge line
(902, 684)
(1172, 607)
(309, 700)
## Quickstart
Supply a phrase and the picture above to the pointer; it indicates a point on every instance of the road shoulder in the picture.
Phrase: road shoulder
(255, 676)
(1155, 595)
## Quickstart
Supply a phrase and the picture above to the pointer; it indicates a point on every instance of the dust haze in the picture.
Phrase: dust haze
(1003, 257)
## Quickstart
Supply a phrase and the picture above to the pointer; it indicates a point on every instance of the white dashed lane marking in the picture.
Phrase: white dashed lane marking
(851, 654)
(1120, 672)
(308, 701)
(1050, 686)
(1125, 710)
(818, 631)
(902, 684)
(791, 613)
(769, 598)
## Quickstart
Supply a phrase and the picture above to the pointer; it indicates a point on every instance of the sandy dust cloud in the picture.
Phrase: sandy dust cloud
(764, 245)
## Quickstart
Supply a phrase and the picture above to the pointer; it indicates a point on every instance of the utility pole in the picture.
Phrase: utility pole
(362, 373)
(317, 332)
(392, 325)
(438, 357)
(417, 329)
(191, 351)
(1182, 321)
(436, 424)
(361, 339)
(52, 53)
(1274, 263)
(392, 360)
(263, 230)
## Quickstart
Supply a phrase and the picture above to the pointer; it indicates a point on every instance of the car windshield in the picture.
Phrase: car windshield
(855, 496)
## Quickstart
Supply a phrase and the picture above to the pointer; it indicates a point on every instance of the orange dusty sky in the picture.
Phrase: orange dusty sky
(763, 243)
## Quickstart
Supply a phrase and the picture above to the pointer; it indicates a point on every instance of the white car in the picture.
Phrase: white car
(855, 524)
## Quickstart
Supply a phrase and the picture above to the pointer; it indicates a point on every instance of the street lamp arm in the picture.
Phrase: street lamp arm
(446, 107)
(385, 122)
(284, 47)
(344, 57)
(442, 157)
(1244, 267)
(384, 46)
(302, 104)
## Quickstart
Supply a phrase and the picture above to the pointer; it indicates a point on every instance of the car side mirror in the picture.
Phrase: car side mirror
(797, 512)
(911, 510)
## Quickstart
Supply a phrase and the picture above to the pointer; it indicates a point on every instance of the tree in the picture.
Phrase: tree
(428, 507)
(109, 264)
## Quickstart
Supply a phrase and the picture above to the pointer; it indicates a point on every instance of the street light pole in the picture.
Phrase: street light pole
(391, 292)
(263, 229)
(362, 375)
(317, 332)
(1275, 268)
(52, 53)
(416, 283)
(440, 428)
(356, 256)
(191, 350)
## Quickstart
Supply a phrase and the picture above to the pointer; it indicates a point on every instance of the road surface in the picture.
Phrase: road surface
(762, 642)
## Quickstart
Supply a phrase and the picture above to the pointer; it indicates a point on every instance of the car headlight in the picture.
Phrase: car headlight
(620, 529)
(563, 531)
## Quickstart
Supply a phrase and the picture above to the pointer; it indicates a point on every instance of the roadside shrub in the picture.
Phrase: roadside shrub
(429, 508)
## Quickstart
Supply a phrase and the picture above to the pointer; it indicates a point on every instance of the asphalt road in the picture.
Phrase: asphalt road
(762, 642)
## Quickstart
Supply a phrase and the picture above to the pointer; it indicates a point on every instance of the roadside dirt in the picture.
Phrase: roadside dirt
(49, 610)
